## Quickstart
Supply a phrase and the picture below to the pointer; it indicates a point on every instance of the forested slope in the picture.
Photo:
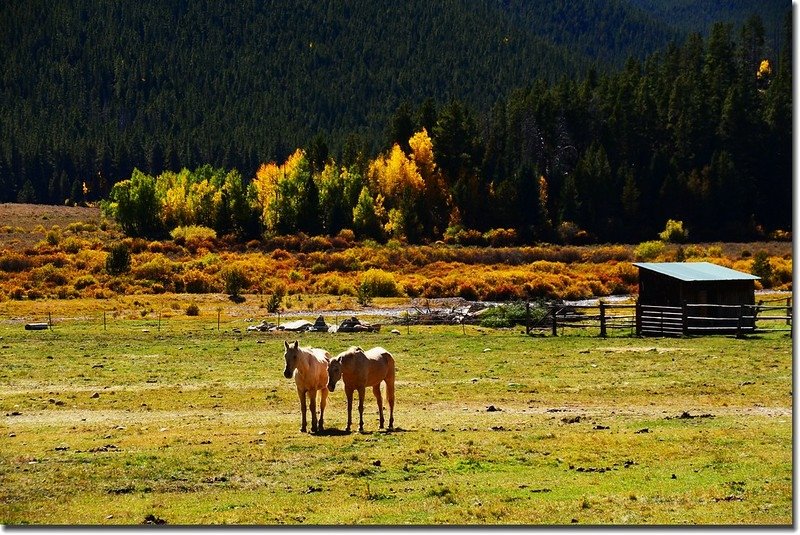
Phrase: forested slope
(92, 90)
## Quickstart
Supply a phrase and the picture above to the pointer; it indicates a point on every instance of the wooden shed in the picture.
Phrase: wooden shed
(672, 296)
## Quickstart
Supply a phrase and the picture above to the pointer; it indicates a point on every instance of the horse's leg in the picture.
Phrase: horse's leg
(302, 396)
(312, 403)
(390, 398)
(377, 391)
(349, 393)
(323, 400)
(361, 394)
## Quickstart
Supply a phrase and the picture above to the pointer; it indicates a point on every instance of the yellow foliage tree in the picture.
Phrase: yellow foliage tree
(266, 185)
(203, 202)
(436, 201)
(395, 174)
(764, 69)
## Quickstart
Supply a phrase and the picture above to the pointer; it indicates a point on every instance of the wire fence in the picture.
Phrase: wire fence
(533, 318)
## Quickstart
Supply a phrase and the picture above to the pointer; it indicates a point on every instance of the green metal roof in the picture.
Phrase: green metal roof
(696, 271)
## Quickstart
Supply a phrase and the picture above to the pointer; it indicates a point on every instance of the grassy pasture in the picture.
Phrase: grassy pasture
(191, 425)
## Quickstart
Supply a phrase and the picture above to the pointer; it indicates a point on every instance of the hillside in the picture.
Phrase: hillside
(686, 16)
(162, 85)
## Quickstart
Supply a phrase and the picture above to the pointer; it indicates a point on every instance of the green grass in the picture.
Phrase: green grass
(198, 426)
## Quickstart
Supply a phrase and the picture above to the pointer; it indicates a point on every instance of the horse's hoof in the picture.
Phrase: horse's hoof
(302, 429)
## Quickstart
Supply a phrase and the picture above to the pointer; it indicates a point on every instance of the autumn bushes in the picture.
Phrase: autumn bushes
(195, 261)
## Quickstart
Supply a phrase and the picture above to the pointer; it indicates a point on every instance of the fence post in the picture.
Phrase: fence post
(685, 319)
(554, 313)
(602, 319)
(49, 321)
(638, 319)
(739, 322)
(527, 317)
(104, 320)
(788, 311)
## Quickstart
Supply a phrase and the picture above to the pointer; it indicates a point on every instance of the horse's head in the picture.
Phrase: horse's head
(334, 372)
(290, 356)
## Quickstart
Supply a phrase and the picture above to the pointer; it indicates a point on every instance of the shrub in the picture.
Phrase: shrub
(193, 232)
(379, 283)
(674, 232)
(363, 296)
(72, 245)
(84, 282)
(280, 254)
(503, 291)
(469, 237)
(159, 268)
(568, 232)
(275, 300)
(694, 251)
(500, 237)
(34, 294)
(119, 259)
(196, 282)
(781, 235)
(315, 243)
(335, 285)
(234, 279)
(781, 271)
(50, 274)
(513, 314)
(467, 291)
(762, 268)
(192, 310)
(15, 263)
(53, 237)
(346, 236)
(344, 261)
(649, 250)
(628, 274)
(81, 226)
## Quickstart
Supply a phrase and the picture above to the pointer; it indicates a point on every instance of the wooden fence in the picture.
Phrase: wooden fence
(650, 320)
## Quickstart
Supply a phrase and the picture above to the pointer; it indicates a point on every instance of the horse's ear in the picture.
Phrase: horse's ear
(296, 344)
(285, 344)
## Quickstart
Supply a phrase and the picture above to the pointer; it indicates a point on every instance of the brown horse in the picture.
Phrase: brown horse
(360, 369)
(310, 368)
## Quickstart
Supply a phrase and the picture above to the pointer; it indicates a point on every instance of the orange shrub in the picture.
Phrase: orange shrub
(335, 285)
(15, 263)
(467, 291)
(158, 268)
(197, 282)
(500, 237)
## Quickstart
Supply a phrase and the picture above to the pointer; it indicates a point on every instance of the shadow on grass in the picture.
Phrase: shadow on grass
(341, 432)
(327, 432)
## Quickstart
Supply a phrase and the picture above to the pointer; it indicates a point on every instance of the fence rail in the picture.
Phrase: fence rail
(550, 319)
(653, 320)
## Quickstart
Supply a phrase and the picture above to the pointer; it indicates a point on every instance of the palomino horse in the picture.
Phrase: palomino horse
(310, 368)
(360, 369)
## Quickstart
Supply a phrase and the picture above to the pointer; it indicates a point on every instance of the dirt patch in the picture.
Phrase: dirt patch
(657, 350)
(20, 221)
